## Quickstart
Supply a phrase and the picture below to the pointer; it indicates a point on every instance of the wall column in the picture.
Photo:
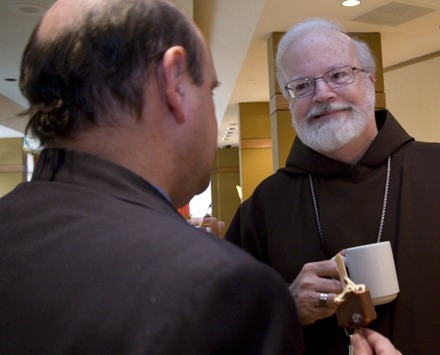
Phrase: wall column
(374, 42)
(255, 145)
(225, 177)
(13, 164)
(282, 131)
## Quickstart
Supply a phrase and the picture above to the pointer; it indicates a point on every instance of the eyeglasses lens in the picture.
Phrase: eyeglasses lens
(334, 79)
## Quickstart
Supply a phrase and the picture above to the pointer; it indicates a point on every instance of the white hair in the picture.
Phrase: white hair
(365, 56)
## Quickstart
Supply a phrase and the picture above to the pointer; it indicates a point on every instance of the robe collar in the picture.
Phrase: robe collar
(391, 136)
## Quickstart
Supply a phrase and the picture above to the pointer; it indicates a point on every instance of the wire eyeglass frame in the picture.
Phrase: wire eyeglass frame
(334, 79)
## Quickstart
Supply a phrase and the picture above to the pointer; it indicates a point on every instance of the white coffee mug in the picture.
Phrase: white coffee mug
(373, 265)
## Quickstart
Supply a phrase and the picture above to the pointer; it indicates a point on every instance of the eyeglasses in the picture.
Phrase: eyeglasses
(334, 78)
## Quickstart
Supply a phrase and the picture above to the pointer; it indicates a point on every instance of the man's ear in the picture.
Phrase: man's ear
(175, 80)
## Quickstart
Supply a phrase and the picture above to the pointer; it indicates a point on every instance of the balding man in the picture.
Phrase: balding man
(94, 257)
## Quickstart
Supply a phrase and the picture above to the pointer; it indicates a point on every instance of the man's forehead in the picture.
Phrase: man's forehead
(319, 44)
(316, 53)
(321, 36)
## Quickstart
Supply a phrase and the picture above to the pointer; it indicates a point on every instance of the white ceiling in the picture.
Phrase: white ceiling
(237, 32)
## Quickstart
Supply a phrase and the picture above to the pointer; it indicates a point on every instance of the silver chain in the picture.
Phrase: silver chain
(317, 217)
(382, 218)
(385, 200)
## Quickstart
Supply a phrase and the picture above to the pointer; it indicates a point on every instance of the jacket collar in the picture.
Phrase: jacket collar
(91, 172)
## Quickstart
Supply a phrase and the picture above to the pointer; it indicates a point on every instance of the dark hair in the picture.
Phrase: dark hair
(72, 80)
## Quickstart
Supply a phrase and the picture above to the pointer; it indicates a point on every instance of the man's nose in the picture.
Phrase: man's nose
(323, 92)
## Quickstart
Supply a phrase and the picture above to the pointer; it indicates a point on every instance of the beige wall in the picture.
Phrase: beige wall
(185, 5)
(413, 96)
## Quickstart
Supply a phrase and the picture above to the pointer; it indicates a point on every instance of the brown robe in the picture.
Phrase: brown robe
(277, 224)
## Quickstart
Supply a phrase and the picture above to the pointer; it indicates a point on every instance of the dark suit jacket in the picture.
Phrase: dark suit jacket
(93, 259)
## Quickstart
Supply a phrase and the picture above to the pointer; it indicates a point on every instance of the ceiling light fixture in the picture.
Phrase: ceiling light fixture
(27, 9)
(350, 3)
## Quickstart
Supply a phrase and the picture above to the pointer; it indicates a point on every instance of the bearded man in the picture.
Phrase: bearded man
(353, 177)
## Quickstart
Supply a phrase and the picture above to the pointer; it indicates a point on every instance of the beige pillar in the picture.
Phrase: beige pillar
(12, 164)
(224, 179)
(374, 42)
(282, 130)
(255, 145)
(280, 119)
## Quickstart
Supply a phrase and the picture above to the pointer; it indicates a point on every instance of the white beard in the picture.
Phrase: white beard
(329, 135)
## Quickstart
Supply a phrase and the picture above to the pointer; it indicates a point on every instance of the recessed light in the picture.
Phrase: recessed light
(351, 3)
(27, 9)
